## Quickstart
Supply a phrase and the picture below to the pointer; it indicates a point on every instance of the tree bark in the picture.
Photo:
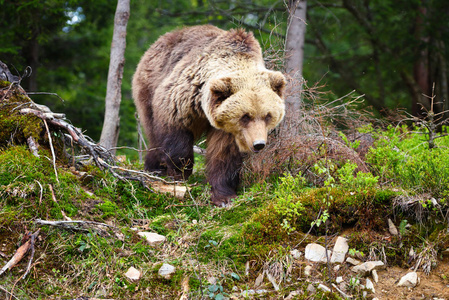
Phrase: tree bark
(421, 72)
(294, 50)
(111, 124)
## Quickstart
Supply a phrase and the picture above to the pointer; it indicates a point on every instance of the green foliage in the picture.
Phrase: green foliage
(360, 182)
(286, 203)
(404, 158)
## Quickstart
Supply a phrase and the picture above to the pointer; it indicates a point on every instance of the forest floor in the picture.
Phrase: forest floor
(87, 221)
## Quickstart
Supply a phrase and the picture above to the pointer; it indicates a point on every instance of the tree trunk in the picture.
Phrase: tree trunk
(421, 72)
(111, 124)
(294, 51)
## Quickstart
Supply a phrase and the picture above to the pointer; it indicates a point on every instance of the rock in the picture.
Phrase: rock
(323, 287)
(340, 249)
(235, 288)
(311, 289)
(353, 261)
(152, 238)
(296, 254)
(369, 285)
(293, 295)
(409, 280)
(339, 279)
(308, 271)
(366, 268)
(166, 271)
(336, 268)
(341, 292)
(391, 228)
(247, 293)
(133, 274)
(259, 280)
(212, 280)
(261, 291)
(316, 253)
(375, 276)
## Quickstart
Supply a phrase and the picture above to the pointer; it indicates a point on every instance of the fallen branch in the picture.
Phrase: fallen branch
(80, 225)
(21, 252)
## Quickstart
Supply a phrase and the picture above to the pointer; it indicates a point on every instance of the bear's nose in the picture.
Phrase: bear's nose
(259, 145)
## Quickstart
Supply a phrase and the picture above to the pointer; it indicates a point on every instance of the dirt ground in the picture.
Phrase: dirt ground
(433, 286)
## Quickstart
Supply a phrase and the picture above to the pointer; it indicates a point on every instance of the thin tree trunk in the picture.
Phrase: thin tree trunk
(111, 124)
(421, 72)
(294, 50)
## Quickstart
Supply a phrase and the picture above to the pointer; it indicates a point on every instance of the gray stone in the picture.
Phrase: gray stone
(323, 287)
(259, 280)
(166, 271)
(308, 271)
(340, 249)
(369, 285)
(293, 294)
(316, 253)
(248, 293)
(366, 268)
(339, 279)
(296, 254)
(409, 280)
(375, 276)
(311, 289)
(152, 238)
(392, 228)
(133, 274)
(353, 261)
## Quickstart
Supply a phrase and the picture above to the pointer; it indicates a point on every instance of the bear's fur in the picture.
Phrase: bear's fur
(200, 80)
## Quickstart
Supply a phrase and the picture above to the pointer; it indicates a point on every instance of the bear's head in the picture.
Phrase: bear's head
(247, 106)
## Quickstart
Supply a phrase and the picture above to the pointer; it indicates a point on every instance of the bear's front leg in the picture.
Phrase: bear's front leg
(171, 154)
(223, 164)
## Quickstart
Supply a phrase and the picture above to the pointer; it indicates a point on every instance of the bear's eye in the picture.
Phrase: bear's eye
(268, 118)
(245, 119)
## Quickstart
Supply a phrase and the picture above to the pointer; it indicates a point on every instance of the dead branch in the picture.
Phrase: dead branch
(80, 225)
(28, 243)
(20, 253)
(32, 241)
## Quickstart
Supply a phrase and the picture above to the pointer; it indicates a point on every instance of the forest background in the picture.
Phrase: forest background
(390, 51)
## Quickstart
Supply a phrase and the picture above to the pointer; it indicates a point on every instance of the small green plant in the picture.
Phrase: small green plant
(286, 202)
(215, 291)
(355, 252)
(353, 145)
(360, 182)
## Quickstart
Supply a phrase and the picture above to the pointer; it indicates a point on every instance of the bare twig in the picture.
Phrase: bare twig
(56, 201)
(52, 150)
(32, 240)
(8, 292)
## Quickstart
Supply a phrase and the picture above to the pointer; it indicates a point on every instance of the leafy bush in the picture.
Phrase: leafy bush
(404, 158)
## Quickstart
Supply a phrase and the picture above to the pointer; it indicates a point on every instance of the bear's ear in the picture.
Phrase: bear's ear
(277, 81)
(220, 89)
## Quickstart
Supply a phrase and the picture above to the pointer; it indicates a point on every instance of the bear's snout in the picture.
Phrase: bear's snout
(259, 145)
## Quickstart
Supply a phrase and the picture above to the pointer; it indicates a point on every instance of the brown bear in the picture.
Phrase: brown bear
(203, 79)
